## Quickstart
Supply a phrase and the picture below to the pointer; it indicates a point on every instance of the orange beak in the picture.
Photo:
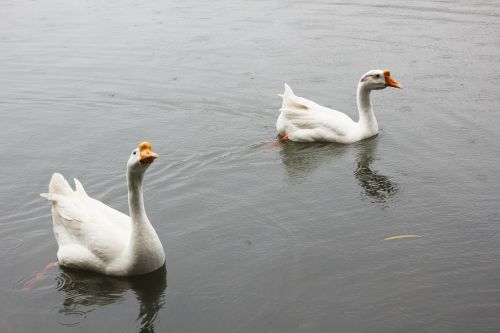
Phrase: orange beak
(389, 81)
(147, 154)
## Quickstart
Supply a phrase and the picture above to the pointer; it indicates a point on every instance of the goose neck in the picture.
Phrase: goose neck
(135, 196)
(364, 101)
(366, 116)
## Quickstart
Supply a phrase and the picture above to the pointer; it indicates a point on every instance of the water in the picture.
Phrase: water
(258, 238)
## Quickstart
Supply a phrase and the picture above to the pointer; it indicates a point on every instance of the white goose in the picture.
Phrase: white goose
(305, 121)
(93, 236)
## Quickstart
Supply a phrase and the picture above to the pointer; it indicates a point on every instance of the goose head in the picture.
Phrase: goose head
(141, 158)
(378, 79)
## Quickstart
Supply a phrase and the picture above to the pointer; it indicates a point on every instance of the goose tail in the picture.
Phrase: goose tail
(291, 102)
(288, 96)
(58, 185)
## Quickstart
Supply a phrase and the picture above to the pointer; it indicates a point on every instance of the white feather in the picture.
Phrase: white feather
(94, 236)
(304, 120)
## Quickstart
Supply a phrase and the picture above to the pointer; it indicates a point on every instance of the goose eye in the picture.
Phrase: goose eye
(377, 76)
(135, 152)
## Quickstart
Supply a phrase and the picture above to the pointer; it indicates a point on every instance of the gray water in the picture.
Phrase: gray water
(259, 237)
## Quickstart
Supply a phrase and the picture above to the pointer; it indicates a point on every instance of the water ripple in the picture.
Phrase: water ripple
(63, 280)
(10, 243)
(71, 318)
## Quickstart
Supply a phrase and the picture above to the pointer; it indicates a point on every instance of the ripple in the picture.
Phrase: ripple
(71, 318)
(10, 243)
(63, 280)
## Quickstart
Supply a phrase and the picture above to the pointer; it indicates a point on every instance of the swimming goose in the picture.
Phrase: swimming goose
(93, 236)
(305, 121)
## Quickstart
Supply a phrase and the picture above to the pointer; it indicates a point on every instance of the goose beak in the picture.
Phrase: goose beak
(390, 82)
(147, 154)
(148, 157)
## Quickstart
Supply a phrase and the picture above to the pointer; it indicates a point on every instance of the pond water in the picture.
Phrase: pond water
(259, 237)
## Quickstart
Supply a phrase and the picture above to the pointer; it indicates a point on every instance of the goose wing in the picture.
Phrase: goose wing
(81, 220)
(305, 114)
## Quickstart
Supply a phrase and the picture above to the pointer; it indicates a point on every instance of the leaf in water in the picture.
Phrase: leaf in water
(402, 236)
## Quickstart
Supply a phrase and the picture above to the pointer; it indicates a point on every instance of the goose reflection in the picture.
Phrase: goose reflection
(379, 188)
(300, 159)
(85, 291)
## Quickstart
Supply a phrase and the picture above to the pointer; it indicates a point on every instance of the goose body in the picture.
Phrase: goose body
(305, 121)
(93, 236)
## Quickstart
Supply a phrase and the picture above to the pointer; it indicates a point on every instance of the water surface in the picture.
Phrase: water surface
(258, 237)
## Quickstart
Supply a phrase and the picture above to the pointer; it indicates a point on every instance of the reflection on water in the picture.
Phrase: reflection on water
(84, 292)
(301, 159)
(83, 80)
(377, 187)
